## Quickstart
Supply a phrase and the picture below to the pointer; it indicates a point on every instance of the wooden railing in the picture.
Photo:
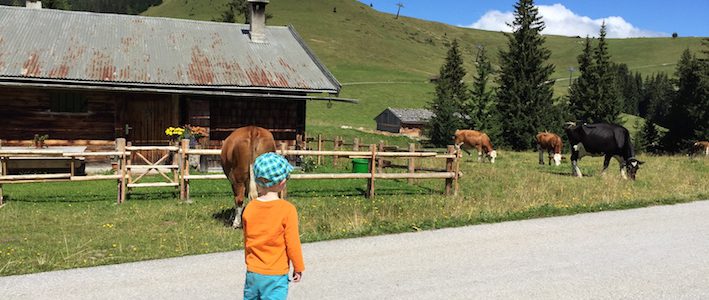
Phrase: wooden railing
(450, 174)
(180, 177)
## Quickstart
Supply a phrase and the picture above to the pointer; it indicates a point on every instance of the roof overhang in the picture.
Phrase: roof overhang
(230, 91)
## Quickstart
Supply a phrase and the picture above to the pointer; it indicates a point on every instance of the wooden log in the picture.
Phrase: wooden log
(336, 148)
(380, 161)
(184, 170)
(35, 176)
(145, 148)
(94, 177)
(121, 187)
(437, 175)
(319, 149)
(2, 173)
(13, 152)
(449, 168)
(83, 154)
(210, 176)
(153, 184)
(355, 144)
(412, 163)
(153, 167)
(372, 171)
(456, 163)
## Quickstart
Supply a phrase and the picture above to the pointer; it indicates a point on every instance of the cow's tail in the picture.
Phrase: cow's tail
(253, 194)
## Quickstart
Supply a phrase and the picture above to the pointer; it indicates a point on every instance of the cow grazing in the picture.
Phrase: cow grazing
(239, 151)
(473, 138)
(700, 147)
(552, 144)
(608, 140)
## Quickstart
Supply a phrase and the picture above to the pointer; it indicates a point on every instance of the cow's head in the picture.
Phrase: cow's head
(492, 154)
(632, 167)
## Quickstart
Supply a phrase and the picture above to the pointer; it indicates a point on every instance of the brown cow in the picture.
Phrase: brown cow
(478, 139)
(239, 151)
(700, 147)
(551, 143)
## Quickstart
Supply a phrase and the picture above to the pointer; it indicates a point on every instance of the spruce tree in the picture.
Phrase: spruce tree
(480, 109)
(700, 110)
(525, 89)
(649, 138)
(582, 91)
(609, 107)
(679, 119)
(450, 94)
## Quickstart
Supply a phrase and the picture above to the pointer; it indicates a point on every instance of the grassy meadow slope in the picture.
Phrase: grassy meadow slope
(387, 62)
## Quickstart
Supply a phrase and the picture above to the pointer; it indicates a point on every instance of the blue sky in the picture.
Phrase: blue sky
(625, 18)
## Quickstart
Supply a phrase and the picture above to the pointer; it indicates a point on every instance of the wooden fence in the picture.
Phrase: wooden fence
(179, 167)
(451, 172)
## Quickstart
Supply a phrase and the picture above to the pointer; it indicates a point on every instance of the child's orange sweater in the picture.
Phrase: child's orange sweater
(271, 237)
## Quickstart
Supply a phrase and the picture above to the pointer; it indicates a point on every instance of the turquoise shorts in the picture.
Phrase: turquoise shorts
(262, 287)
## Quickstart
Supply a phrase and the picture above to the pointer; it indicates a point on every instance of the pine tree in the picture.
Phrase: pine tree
(56, 4)
(480, 109)
(582, 92)
(480, 104)
(679, 119)
(450, 94)
(649, 138)
(700, 110)
(237, 8)
(657, 98)
(525, 89)
(607, 102)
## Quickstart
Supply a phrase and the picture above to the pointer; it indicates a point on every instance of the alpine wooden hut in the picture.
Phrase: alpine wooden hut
(88, 78)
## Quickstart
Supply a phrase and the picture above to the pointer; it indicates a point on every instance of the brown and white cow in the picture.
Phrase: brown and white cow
(239, 151)
(700, 147)
(551, 143)
(469, 138)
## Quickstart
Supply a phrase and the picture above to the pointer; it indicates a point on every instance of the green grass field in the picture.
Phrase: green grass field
(52, 226)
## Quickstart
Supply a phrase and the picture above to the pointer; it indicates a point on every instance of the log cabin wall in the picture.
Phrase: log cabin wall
(284, 118)
(68, 117)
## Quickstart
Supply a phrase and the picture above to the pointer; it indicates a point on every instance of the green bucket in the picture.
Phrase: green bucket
(360, 165)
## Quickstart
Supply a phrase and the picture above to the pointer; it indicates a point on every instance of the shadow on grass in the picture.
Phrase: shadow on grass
(225, 216)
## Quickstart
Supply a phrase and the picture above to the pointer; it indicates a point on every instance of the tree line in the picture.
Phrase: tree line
(522, 103)
(132, 7)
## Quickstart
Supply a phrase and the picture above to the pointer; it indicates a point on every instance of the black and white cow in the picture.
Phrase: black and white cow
(609, 140)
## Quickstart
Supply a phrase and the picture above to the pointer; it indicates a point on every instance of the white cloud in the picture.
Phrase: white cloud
(559, 20)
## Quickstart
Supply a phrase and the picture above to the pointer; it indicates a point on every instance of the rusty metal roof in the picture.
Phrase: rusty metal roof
(90, 48)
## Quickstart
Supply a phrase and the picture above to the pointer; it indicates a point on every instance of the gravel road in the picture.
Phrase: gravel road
(658, 252)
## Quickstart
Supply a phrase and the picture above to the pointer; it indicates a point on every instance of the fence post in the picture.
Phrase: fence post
(456, 163)
(121, 147)
(319, 148)
(2, 173)
(372, 171)
(449, 168)
(412, 164)
(355, 144)
(336, 147)
(184, 170)
(380, 162)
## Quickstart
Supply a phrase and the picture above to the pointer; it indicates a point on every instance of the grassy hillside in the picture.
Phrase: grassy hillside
(387, 62)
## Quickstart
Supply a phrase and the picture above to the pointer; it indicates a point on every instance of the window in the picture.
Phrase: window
(66, 102)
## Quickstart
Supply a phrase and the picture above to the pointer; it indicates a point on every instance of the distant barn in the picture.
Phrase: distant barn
(403, 120)
(86, 79)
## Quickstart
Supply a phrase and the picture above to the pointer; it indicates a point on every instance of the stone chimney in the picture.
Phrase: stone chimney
(35, 4)
(257, 13)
